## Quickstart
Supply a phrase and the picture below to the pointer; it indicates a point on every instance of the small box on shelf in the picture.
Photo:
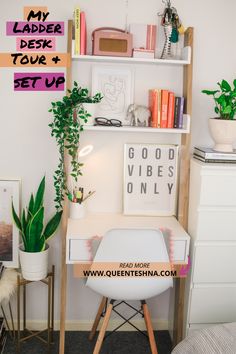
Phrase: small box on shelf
(143, 53)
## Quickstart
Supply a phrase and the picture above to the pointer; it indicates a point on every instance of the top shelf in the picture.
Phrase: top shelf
(185, 59)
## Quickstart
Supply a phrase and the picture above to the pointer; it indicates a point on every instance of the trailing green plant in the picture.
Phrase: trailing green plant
(31, 223)
(225, 99)
(69, 116)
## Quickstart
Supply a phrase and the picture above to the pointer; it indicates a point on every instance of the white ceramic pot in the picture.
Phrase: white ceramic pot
(223, 132)
(34, 265)
(91, 109)
(77, 211)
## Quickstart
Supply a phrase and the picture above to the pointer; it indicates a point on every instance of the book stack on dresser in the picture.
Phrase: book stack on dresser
(206, 154)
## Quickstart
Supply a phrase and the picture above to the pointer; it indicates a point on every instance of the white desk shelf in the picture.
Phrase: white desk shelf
(149, 130)
(185, 58)
(81, 230)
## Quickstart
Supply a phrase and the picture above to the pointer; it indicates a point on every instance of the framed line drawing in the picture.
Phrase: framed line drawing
(150, 179)
(9, 234)
(117, 88)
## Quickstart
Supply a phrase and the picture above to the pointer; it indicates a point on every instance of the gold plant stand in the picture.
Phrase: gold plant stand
(21, 282)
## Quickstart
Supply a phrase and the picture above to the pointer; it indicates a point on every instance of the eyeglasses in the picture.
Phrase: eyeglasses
(108, 122)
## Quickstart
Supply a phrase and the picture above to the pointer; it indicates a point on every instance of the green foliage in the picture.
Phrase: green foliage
(33, 232)
(225, 99)
(69, 116)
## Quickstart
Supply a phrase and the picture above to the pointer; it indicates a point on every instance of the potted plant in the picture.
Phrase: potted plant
(223, 127)
(69, 116)
(34, 250)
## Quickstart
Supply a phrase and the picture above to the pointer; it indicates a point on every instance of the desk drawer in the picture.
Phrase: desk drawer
(81, 249)
(215, 264)
(218, 189)
(223, 230)
(213, 305)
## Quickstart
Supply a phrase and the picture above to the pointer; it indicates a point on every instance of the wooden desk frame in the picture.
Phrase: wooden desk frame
(183, 196)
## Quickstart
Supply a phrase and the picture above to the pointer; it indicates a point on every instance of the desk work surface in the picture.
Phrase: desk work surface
(80, 230)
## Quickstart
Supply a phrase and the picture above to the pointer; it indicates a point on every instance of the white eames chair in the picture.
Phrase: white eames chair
(126, 246)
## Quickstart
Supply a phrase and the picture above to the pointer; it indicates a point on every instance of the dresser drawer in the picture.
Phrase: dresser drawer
(208, 229)
(218, 189)
(215, 264)
(213, 305)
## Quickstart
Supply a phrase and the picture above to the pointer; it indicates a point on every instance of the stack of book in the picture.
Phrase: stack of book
(80, 34)
(3, 336)
(209, 155)
(166, 109)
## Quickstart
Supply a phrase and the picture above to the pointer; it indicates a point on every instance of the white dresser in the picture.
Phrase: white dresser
(211, 288)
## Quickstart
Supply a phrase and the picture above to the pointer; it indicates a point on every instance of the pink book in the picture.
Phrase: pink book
(151, 37)
(83, 34)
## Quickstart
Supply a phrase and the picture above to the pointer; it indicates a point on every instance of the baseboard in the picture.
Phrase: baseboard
(81, 325)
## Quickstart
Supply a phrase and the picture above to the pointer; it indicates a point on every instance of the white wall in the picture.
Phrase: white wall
(27, 150)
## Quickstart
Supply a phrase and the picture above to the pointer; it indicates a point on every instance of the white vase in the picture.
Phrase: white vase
(223, 132)
(77, 210)
(91, 109)
(34, 265)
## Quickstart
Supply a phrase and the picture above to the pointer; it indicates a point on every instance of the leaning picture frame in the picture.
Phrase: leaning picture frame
(9, 234)
(150, 179)
(117, 88)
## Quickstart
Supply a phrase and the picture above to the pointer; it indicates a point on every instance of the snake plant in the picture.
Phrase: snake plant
(31, 223)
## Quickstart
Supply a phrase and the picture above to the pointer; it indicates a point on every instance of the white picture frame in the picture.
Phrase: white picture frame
(150, 179)
(117, 88)
(9, 234)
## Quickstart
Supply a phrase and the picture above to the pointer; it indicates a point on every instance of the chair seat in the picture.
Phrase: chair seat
(125, 246)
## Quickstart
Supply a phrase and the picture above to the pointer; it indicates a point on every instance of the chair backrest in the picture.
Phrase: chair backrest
(126, 246)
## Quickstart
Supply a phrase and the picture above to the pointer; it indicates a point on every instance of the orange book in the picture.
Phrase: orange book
(171, 110)
(153, 106)
(158, 108)
(164, 108)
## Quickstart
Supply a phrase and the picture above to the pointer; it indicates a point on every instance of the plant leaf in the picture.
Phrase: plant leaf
(234, 82)
(16, 218)
(41, 244)
(227, 110)
(34, 230)
(39, 196)
(23, 221)
(30, 208)
(24, 226)
(207, 92)
(225, 86)
(52, 225)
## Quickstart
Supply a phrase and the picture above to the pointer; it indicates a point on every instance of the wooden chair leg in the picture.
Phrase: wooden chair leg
(97, 318)
(103, 328)
(149, 328)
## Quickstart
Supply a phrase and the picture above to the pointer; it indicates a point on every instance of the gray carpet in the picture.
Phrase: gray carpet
(78, 343)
